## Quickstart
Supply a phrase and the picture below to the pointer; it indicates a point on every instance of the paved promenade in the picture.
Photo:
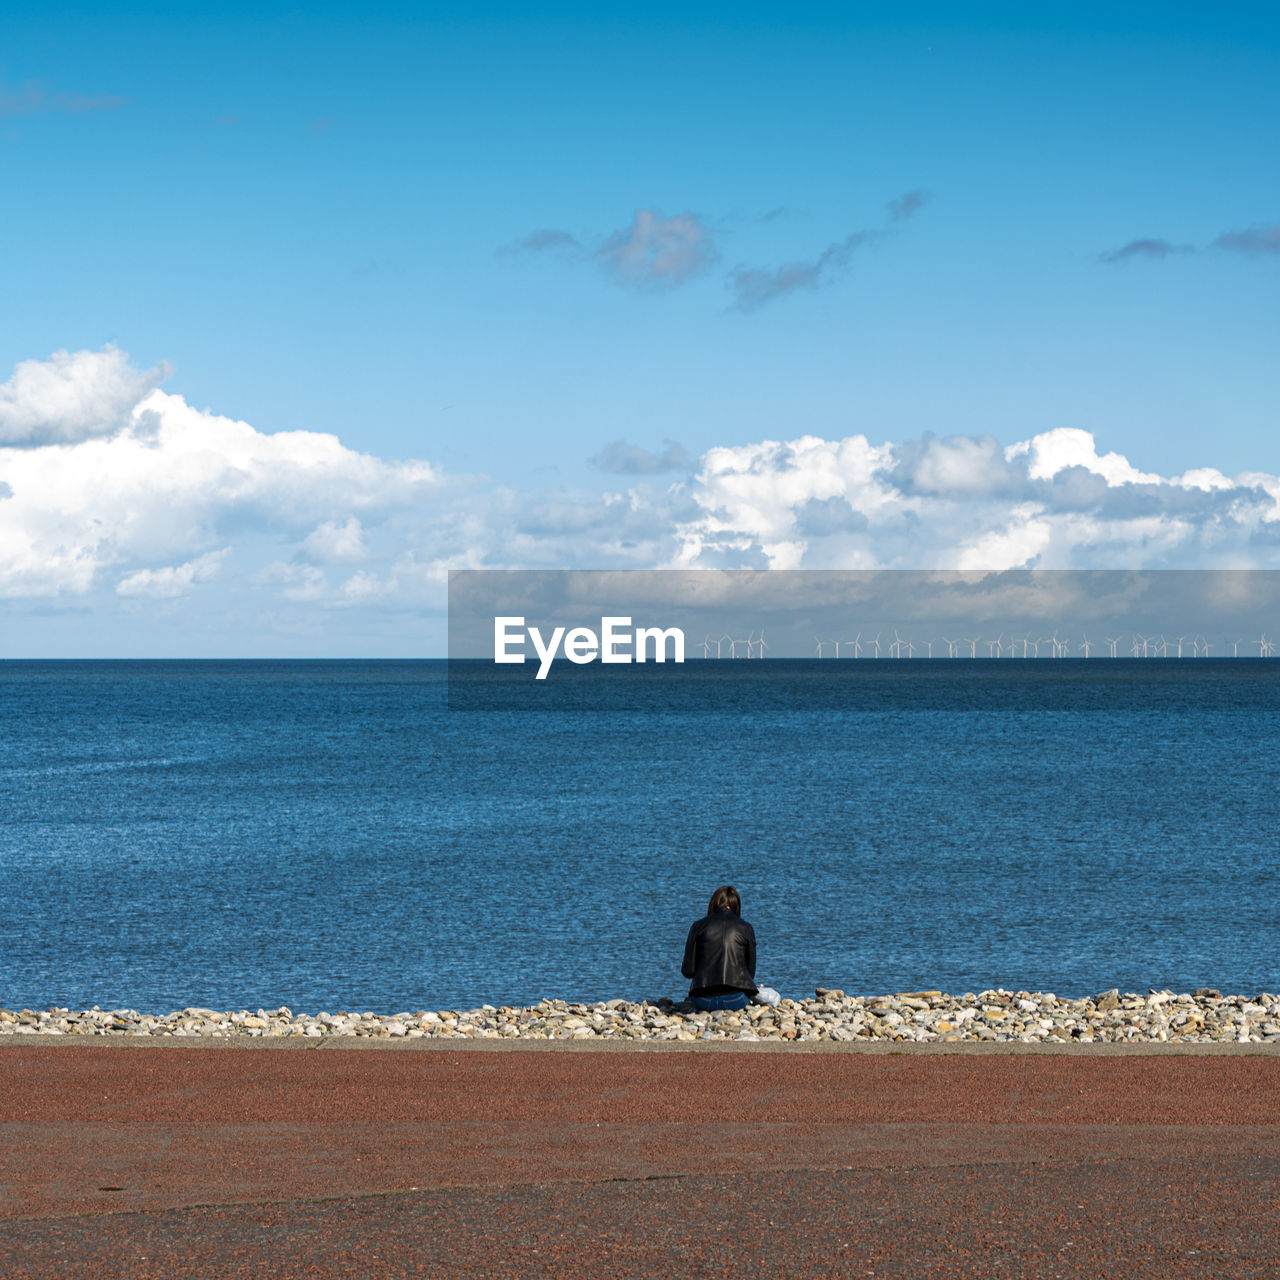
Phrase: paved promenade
(142, 1160)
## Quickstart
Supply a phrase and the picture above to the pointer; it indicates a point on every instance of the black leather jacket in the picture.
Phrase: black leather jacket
(720, 955)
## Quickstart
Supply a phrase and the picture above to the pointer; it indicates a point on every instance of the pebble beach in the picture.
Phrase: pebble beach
(1202, 1016)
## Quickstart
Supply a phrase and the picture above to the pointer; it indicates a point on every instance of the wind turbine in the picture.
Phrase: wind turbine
(1113, 641)
(820, 644)
(973, 646)
(1086, 646)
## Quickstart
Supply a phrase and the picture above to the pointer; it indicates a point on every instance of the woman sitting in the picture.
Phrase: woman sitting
(720, 955)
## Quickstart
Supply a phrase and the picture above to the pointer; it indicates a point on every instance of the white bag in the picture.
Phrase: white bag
(767, 995)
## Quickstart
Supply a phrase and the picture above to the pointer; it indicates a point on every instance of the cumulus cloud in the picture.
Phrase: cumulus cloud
(958, 466)
(336, 543)
(172, 580)
(822, 517)
(1146, 248)
(73, 396)
(655, 251)
(107, 471)
(297, 583)
(621, 458)
(1056, 451)
(1051, 501)
(127, 491)
(754, 287)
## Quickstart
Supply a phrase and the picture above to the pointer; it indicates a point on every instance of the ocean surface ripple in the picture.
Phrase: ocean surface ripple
(330, 835)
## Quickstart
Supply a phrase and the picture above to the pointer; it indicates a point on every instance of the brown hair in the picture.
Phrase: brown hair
(725, 898)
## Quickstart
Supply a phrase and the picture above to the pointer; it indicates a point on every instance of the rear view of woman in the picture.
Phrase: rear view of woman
(720, 955)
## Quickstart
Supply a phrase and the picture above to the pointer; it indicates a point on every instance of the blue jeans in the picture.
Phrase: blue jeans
(712, 1004)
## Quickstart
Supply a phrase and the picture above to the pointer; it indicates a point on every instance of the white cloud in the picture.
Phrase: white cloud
(173, 580)
(1051, 501)
(363, 587)
(1054, 451)
(110, 478)
(1021, 543)
(334, 543)
(73, 396)
(300, 583)
(122, 489)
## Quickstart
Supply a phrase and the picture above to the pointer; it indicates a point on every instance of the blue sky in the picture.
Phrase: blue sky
(506, 241)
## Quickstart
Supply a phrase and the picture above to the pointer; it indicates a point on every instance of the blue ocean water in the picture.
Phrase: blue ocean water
(331, 835)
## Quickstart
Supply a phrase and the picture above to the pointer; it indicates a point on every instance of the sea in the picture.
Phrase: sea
(350, 835)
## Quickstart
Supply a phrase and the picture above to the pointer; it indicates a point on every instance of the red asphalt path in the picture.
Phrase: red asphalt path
(176, 1162)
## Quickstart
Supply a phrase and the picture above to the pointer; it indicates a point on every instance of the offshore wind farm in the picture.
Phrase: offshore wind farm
(900, 615)
(474, 478)
(1160, 647)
